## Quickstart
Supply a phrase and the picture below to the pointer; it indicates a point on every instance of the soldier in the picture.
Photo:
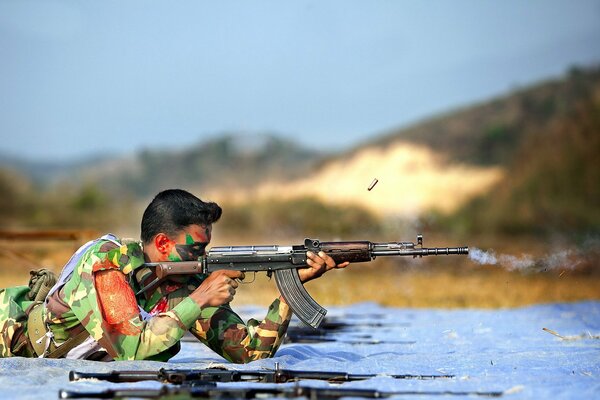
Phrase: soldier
(93, 312)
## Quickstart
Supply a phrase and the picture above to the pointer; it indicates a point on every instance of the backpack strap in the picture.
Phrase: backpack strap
(36, 328)
(40, 336)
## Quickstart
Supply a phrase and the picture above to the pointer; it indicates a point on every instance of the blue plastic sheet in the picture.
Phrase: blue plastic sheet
(504, 350)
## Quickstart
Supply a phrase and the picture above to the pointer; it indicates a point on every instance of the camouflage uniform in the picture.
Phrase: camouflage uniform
(164, 317)
(13, 319)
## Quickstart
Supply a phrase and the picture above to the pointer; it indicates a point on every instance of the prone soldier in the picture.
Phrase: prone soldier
(98, 310)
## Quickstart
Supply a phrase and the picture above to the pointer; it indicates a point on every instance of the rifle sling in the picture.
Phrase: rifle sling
(36, 330)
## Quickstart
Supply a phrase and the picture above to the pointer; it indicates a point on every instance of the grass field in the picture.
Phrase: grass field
(443, 282)
(484, 288)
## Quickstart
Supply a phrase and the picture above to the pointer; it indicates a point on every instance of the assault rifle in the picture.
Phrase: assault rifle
(191, 376)
(211, 391)
(283, 262)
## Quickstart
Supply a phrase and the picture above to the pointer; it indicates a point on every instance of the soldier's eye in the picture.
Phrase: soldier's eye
(192, 251)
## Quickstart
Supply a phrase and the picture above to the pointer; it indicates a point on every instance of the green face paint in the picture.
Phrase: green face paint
(175, 257)
(189, 239)
(189, 251)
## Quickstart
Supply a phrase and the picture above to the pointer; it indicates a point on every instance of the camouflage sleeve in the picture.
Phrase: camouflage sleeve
(159, 333)
(224, 332)
(155, 338)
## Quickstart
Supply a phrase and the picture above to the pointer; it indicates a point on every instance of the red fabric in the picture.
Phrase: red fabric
(160, 307)
(117, 301)
(103, 265)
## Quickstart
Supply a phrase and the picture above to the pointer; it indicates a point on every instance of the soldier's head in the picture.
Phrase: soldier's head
(177, 225)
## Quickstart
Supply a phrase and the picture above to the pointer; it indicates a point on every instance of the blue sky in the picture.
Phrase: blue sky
(112, 77)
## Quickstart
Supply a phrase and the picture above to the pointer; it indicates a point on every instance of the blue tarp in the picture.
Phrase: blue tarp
(503, 350)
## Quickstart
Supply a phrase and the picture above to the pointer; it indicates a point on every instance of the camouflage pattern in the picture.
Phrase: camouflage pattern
(226, 334)
(172, 314)
(13, 304)
(221, 329)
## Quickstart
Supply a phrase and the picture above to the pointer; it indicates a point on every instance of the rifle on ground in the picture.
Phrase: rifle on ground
(357, 340)
(277, 375)
(283, 262)
(214, 392)
(334, 326)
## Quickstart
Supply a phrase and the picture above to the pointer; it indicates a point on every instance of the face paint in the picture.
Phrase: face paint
(192, 250)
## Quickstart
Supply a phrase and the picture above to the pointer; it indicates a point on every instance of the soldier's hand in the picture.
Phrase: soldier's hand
(217, 289)
(317, 265)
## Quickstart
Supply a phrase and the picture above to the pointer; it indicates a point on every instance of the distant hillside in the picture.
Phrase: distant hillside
(229, 160)
(43, 173)
(552, 183)
(527, 161)
(411, 178)
(106, 192)
(493, 132)
(529, 158)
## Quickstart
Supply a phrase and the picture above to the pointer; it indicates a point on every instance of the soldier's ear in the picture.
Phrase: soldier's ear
(163, 244)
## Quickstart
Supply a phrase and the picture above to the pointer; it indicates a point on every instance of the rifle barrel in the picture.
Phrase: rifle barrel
(116, 376)
(390, 249)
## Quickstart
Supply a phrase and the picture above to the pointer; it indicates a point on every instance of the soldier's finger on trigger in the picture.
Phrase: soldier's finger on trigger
(233, 274)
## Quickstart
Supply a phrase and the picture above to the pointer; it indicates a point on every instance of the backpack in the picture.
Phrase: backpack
(16, 304)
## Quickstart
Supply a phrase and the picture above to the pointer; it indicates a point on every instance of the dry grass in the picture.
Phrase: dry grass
(483, 288)
(448, 282)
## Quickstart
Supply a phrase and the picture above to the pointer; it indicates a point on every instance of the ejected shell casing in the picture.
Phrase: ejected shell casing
(372, 185)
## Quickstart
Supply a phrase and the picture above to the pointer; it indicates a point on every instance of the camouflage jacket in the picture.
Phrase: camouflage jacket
(160, 329)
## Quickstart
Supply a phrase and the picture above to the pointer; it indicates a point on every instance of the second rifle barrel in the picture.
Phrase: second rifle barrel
(116, 376)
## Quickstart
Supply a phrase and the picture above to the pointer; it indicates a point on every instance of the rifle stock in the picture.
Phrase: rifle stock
(284, 261)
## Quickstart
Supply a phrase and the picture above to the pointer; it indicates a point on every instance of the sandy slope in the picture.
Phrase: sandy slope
(412, 179)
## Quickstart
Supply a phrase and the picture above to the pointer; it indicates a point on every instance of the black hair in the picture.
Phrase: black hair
(173, 210)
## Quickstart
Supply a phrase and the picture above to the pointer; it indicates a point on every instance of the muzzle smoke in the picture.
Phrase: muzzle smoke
(523, 262)
(568, 259)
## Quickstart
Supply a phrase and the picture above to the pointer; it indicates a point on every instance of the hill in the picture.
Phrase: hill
(526, 161)
(411, 178)
(230, 161)
(552, 182)
(495, 131)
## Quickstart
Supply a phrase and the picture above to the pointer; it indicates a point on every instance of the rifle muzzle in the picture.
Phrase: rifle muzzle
(434, 251)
